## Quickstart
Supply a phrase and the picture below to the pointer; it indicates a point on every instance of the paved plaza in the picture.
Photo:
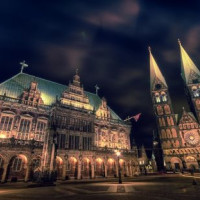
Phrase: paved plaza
(163, 187)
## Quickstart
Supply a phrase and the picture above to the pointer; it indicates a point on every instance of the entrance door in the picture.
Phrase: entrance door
(177, 166)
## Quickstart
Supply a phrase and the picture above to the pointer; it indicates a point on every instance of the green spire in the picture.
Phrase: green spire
(189, 71)
(155, 73)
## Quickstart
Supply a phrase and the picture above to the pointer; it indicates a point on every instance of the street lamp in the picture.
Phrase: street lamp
(119, 169)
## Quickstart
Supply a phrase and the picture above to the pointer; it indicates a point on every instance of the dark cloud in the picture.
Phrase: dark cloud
(108, 41)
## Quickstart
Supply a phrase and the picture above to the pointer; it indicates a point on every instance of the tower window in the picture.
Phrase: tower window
(158, 86)
(157, 98)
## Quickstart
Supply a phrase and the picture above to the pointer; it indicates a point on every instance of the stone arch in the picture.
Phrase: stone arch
(59, 167)
(17, 167)
(72, 168)
(122, 164)
(111, 167)
(99, 167)
(86, 168)
(176, 163)
(192, 163)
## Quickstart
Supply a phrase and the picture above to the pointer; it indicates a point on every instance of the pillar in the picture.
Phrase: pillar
(5, 169)
(79, 170)
(27, 175)
(92, 169)
(117, 169)
(105, 168)
(64, 170)
(127, 170)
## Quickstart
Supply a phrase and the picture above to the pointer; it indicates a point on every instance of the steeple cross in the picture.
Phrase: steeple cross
(97, 88)
(23, 65)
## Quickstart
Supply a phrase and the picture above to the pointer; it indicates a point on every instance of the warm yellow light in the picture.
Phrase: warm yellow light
(2, 135)
(118, 153)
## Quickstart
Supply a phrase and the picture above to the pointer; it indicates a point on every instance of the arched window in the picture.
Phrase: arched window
(17, 164)
(40, 131)
(160, 110)
(163, 133)
(157, 98)
(174, 134)
(6, 123)
(195, 91)
(163, 121)
(167, 109)
(169, 133)
(24, 129)
(168, 121)
(172, 121)
(164, 96)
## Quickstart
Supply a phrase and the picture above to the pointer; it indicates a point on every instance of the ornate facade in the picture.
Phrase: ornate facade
(48, 126)
(179, 134)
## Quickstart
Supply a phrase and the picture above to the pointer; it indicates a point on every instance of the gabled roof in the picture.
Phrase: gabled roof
(14, 87)
(187, 117)
(155, 73)
(188, 68)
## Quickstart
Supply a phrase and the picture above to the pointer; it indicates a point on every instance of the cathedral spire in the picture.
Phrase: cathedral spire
(189, 71)
(156, 76)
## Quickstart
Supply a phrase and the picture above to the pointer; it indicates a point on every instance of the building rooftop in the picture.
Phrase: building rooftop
(50, 90)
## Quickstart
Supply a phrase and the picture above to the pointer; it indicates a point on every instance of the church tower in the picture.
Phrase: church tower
(191, 76)
(165, 117)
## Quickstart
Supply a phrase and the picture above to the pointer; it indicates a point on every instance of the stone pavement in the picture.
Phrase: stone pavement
(166, 187)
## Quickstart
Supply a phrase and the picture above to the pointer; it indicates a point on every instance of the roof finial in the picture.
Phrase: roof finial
(97, 88)
(179, 42)
(23, 65)
(149, 48)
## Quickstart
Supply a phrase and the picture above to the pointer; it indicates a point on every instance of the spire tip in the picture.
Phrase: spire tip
(149, 48)
(179, 42)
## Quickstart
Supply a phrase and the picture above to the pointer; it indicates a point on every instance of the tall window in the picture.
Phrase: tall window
(73, 142)
(24, 129)
(87, 143)
(17, 164)
(6, 123)
(61, 141)
(40, 131)
(157, 97)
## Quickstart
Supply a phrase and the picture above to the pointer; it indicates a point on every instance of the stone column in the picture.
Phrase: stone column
(117, 169)
(27, 176)
(79, 170)
(130, 170)
(105, 168)
(5, 169)
(64, 170)
(92, 169)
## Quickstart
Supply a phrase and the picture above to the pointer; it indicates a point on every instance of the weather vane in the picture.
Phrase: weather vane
(23, 65)
(97, 88)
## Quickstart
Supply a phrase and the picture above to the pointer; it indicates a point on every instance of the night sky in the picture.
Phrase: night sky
(107, 40)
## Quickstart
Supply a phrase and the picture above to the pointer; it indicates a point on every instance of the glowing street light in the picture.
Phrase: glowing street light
(119, 169)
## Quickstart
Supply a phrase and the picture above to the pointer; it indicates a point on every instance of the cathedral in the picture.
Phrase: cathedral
(179, 133)
(47, 126)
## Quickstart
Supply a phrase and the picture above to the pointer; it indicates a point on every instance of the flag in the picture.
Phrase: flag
(136, 117)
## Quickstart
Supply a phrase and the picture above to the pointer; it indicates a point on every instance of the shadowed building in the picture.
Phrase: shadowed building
(48, 126)
(179, 134)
